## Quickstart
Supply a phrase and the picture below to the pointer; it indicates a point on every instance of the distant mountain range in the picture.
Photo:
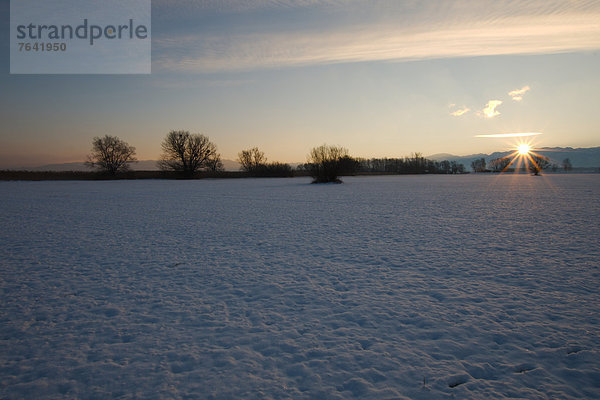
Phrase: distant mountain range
(588, 157)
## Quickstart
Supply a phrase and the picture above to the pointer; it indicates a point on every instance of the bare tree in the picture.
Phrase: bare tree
(416, 163)
(110, 155)
(215, 165)
(478, 165)
(457, 168)
(326, 163)
(188, 153)
(537, 163)
(445, 167)
(251, 159)
(499, 164)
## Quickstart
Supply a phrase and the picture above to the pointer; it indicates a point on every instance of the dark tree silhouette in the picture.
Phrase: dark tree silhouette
(110, 155)
(254, 163)
(325, 163)
(215, 165)
(499, 164)
(188, 153)
(457, 168)
(415, 164)
(274, 169)
(445, 167)
(251, 160)
(349, 165)
(566, 164)
(478, 165)
(537, 163)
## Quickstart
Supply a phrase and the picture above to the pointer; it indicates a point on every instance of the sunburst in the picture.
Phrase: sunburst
(523, 149)
(524, 157)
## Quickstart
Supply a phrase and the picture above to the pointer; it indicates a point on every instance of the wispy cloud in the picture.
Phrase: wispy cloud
(490, 109)
(460, 111)
(236, 6)
(517, 94)
(170, 82)
(425, 31)
(504, 135)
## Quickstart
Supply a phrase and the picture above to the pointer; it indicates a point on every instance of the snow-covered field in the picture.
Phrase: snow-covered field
(384, 287)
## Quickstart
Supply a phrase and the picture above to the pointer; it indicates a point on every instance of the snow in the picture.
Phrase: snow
(411, 287)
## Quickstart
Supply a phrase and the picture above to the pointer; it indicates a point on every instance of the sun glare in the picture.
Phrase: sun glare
(524, 149)
(522, 157)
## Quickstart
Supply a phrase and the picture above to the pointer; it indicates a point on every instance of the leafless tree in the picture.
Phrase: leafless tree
(478, 165)
(110, 155)
(537, 163)
(251, 159)
(188, 153)
(457, 168)
(500, 164)
(416, 163)
(326, 163)
(215, 165)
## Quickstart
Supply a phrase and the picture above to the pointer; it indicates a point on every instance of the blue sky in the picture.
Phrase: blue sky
(382, 78)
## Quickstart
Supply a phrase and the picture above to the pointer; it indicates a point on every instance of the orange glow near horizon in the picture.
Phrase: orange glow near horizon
(505, 135)
(523, 156)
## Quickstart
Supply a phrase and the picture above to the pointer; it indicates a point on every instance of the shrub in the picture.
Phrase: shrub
(326, 163)
(274, 169)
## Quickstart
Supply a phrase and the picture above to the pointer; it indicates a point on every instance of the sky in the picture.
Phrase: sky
(381, 78)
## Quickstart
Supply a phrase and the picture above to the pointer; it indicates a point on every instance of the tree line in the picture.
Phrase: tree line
(187, 154)
(414, 164)
(535, 163)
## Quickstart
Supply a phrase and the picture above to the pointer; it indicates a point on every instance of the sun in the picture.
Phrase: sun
(523, 149)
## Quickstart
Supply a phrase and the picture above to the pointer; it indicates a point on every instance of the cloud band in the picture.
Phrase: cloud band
(503, 135)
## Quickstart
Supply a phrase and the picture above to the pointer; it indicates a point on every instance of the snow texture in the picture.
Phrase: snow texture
(412, 287)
